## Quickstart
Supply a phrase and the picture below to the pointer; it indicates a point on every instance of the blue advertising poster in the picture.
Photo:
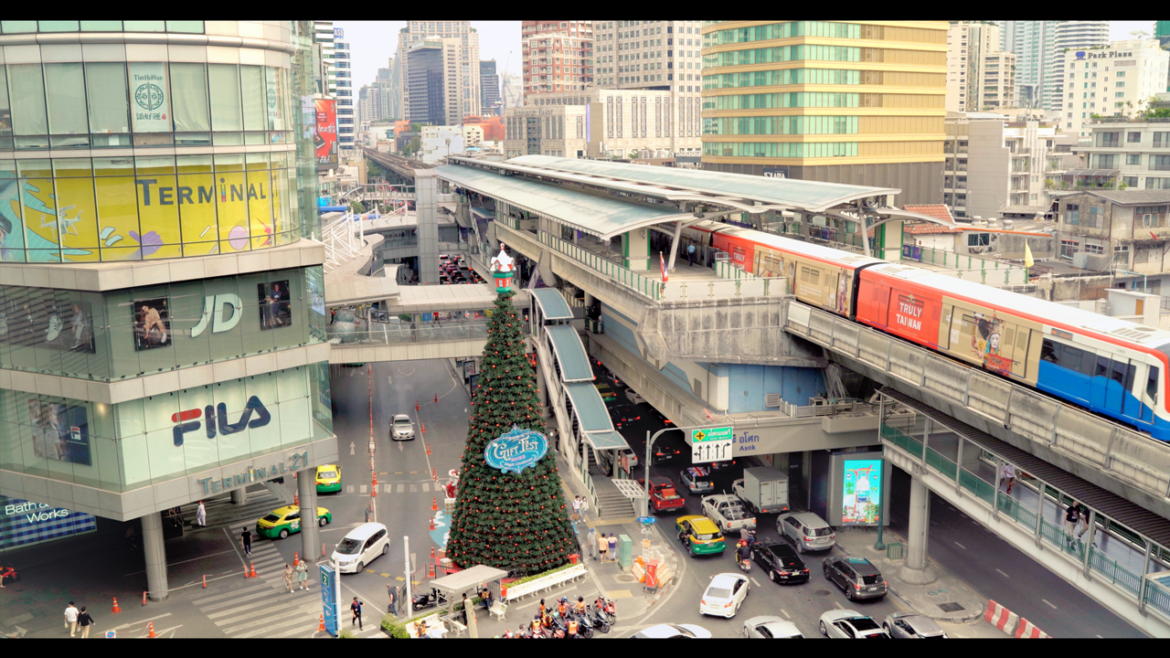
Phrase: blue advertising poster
(23, 523)
(862, 490)
(330, 599)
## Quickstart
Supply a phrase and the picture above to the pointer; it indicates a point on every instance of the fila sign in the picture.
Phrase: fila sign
(217, 418)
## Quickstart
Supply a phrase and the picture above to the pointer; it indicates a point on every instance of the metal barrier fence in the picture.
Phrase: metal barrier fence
(396, 334)
(969, 267)
(640, 284)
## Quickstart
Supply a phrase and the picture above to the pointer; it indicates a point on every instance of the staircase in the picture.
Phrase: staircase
(611, 503)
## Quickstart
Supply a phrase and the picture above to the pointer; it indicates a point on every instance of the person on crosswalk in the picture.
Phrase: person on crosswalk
(246, 537)
(356, 608)
(303, 575)
(288, 577)
(201, 515)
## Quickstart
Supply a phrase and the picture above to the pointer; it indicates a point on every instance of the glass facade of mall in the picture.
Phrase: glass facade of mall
(119, 144)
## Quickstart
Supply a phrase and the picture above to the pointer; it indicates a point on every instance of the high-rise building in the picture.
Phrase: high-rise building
(556, 56)
(1034, 44)
(162, 315)
(1071, 36)
(435, 90)
(512, 91)
(1162, 34)
(994, 161)
(657, 56)
(865, 114)
(397, 86)
(465, 65)
(489, 88)
(980, 76)
(1114, 80)
(323, 43)
(346, 126)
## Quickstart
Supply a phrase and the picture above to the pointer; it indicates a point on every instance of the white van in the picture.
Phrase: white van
(361, 546)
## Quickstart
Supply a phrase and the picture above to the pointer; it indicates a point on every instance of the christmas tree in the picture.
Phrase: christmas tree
(513, 521)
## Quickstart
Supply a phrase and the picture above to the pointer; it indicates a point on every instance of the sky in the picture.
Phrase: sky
(373, 43)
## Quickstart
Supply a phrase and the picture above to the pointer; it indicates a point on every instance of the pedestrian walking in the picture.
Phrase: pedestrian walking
(1008, 476)
(246, 537)
(1071, 516)
(584, 507)
(356, 608)
(591, 538)
(1084, 520)
(577, 508)
(691, 254)
(303, 575)
(392, 592)
(201, 515)
(71, 619)
(602, 546)
(85, 621)
(288, 577)
(612, 546)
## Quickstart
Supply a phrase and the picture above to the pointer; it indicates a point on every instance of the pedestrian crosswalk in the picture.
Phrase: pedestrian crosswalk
(396, 488)
(263, 607)
(222, 512)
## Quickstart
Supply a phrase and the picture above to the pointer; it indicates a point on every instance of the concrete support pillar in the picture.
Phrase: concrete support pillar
(426, 191)
(636, 250)
(310, 537)
(156, 557)
(240, 496)
(917, 569)
(888, 241)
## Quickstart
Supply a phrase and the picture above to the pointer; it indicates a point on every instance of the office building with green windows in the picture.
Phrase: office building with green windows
(162, 305)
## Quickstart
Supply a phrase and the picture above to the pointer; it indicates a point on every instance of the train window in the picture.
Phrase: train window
(1087, 361)
(1130, 375)
(1152, 383)
(1102, 366)
(1118, 372)
(1048, 351)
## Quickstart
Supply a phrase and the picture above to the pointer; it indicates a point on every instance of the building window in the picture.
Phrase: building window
(1133, 137)
(1069, 247)
(1072, 214)
(1130, 181)
(1160, 162)
(1162, 140)
(1133, 158)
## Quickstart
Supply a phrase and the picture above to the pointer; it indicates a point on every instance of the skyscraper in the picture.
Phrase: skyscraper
(434, 84)
(465, 65)
(656, 55)
(979, 75)
(865, 114)
(557, 56)
(489, 86)
(344, 91)
(323, 42)
(512, 91)
(1034, 44)
(1162, 34)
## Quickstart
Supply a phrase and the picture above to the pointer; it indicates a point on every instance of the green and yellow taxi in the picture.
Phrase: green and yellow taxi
(700, 535)
(282, 522)
(605, 392)
(328, 478)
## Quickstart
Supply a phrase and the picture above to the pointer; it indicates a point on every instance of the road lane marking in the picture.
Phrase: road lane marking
(171, 564)
(1049, 604)
(362, 489)
(755, 582)
(837, 605)
(426, 487)
(1004, 574)
(136, 623)
(785, 613)
(401, 487)
(960, 546)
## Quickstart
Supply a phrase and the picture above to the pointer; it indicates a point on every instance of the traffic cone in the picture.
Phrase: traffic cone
(432, 554)
(204, 581)
(428, 448)
(423, 429)
(297, 500)
(375, 480)
(436, 398)
(321, 626)
(434, 504)
(296, 559)
(116, 608)
(431, 573)
(434, 474)
(144, 598)
(253, 571)
(152, 635)
(432, 523)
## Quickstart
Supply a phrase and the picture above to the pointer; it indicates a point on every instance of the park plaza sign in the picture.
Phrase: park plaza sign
(1102, 55)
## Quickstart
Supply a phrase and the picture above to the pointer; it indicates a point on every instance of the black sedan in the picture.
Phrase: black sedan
(781, 563)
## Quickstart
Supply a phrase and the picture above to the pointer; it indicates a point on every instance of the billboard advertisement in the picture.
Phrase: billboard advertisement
(861, 492)
(23, 523)
(326, 139)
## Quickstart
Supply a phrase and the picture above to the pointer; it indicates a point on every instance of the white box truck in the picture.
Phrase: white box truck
(763, 489)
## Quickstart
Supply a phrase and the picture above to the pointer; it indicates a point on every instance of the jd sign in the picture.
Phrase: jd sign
(213, 310)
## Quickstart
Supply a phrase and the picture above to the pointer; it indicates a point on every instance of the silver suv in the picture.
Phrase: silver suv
(807, 531)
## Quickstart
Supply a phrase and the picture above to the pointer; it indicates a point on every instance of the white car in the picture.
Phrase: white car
(634, 397)
(361, 546)
(771, 628)
(850, 625)
(402, 428)
(728, 513)
(724, 595)
(672, 631)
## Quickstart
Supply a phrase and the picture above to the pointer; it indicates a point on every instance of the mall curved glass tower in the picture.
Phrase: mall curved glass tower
(161, 296)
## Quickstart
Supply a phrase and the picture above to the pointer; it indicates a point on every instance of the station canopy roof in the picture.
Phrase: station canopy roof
(597, 215)
(589, 407)
(552, 304)
(570, 354)
(609, 440)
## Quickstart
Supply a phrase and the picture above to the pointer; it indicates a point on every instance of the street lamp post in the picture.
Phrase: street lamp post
(649, 451)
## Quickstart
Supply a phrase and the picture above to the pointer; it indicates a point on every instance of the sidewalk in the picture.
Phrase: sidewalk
(947, 600)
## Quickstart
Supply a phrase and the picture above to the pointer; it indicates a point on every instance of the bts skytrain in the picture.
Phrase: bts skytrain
(1109, 366)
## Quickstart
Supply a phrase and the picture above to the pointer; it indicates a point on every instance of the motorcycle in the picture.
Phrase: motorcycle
(598, 618)
(429, 600)
(584, 625)
(745, 564)
(8, 573)
(607, 608)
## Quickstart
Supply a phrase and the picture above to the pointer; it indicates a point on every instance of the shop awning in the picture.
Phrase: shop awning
(589, 407)
(570, 354)
(552, 304)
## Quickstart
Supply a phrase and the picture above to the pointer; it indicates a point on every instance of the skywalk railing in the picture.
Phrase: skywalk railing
(366, 334)
(969, 267)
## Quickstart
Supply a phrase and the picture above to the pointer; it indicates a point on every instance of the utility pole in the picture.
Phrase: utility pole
(409, 598)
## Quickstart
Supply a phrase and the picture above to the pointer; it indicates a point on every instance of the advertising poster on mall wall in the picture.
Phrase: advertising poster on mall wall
(326, 141)
(861, 492)
(23, 522)
(149, 103)
(59, 432)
